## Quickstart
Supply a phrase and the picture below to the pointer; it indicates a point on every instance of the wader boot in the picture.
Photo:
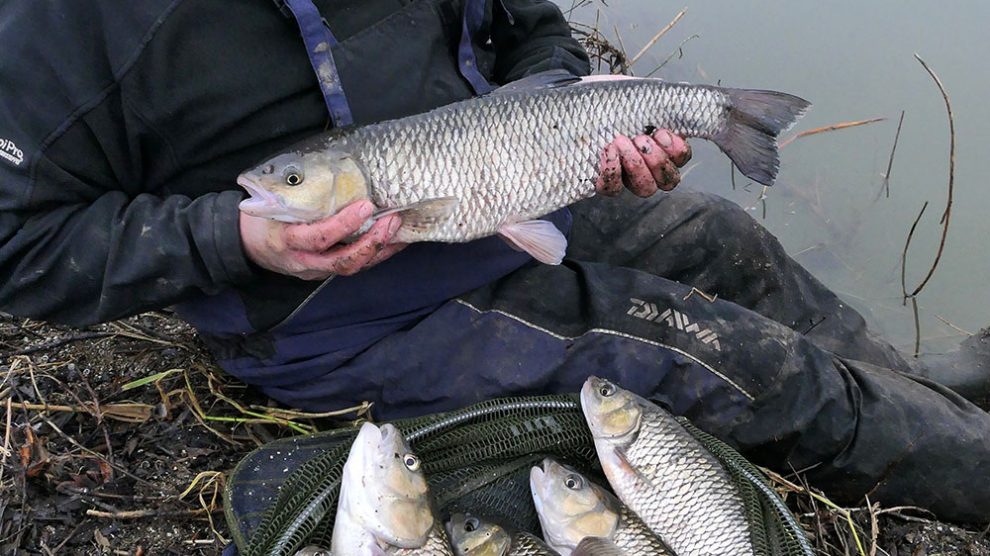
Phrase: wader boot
(634, 303)
(966, 371)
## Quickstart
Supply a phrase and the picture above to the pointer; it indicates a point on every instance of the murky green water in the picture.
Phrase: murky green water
(853, 60)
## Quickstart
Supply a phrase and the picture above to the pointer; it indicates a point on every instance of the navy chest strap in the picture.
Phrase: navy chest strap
(467, 62)
(319, 40)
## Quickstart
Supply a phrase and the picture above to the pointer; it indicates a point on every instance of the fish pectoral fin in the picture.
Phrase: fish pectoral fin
(422, 214)
(550, 79)
(623, 462)
(539, 238)
(597, 546)
(377, 550)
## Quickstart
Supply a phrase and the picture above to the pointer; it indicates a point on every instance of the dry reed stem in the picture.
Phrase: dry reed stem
(827, 128)
(124, 412)
(657, 36)
(138, 514)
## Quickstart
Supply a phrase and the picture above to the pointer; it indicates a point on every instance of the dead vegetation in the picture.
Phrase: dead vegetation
(117, 440)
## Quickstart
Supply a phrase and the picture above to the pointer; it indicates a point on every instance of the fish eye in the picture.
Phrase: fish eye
(471, 524)
(292, 175)
(606, 389)
(270, 169)
(574, 482)
(411, 462)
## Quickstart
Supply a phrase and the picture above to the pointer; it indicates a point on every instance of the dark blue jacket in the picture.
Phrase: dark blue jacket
(124, 124)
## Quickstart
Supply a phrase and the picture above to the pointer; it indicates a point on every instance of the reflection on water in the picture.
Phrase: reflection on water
(854, 61)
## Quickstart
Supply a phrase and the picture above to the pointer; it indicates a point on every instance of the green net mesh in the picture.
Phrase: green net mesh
(477, 461)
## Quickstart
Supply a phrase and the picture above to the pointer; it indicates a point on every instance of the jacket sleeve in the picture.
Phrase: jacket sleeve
(531, 36)
(110, 255)
(82, 240)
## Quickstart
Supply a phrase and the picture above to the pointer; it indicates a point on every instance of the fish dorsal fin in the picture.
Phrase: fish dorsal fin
(544, 80)
(539, 238)
(422, 214)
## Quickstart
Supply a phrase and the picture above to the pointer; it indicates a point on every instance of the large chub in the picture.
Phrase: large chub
(755, 120)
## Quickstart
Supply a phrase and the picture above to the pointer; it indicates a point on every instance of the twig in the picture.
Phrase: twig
(68, 537)
(732, 174)
(6, 445)
(917, 326)
(954, 327)
(139, 514)
(827, 128)
(890, 161)
(679, 52)
(874, 529)
(814, 325)
(844, 512)
(952, 174)
(706, 296)
(656, 37)
(907, 243)
(289, 414)
(897, 509)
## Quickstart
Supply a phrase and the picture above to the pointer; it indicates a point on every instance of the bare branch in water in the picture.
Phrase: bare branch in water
(890, 162)
(679, 52)
(946, 215)
(917, 327)
(657, 37)
(952, 175)
(907, 244)
(827, 128)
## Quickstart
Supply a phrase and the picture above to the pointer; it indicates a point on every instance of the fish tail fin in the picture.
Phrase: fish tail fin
(756, 118)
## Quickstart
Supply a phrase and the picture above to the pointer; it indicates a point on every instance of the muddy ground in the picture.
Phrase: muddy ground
(89, 467)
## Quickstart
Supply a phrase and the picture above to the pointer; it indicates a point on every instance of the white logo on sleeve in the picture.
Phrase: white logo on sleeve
(10, 152)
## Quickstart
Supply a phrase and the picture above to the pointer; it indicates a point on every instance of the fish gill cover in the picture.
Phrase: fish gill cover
(283, 495)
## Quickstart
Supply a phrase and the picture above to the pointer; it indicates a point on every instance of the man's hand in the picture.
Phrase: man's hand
(313, 251)
(644, 163)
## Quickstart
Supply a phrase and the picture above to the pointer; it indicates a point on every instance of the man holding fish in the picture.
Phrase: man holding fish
(391, 259)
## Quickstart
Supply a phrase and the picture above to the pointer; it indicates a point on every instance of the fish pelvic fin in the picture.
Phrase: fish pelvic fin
(539, 238)
(756, 119)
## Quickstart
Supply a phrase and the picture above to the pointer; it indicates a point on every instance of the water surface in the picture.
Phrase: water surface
(853, 60)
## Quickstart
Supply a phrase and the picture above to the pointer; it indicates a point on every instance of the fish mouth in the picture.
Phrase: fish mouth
(261, 201)
(536, 482)
(265, 204)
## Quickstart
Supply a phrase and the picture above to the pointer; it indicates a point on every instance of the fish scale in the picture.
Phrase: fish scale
(543, 163)
(687, 482)
(634, 534)
(437, 544)
(524, 544)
